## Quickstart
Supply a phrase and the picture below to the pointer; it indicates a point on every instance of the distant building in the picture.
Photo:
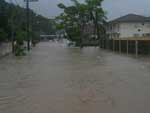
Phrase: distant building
(89, 29)
(47, 37)
(130, 25)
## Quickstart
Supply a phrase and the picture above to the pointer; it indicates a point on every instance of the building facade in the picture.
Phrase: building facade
(127, 26)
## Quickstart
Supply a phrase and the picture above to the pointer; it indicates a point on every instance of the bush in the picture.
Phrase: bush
(19, 50)
(19, 46)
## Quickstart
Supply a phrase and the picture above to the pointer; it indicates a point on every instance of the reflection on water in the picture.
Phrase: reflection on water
(57, 79)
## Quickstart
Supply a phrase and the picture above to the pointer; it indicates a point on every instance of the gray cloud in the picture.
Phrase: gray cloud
(114, 8)
(117, 8)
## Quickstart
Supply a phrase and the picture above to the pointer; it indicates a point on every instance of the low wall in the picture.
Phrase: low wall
(127, 46)
(5, 48)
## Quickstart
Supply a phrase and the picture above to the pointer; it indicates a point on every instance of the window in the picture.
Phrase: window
(146, 34)
(139, 30)
(136, 35)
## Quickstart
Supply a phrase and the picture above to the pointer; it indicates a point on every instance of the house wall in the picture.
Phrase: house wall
(113, 30)
(124, 30)
(134, 29)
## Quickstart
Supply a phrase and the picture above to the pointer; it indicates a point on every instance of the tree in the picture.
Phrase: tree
(75, 18)
(3, 21)
(19, 46)
(97, 16)
(3, 35)
(13, 23)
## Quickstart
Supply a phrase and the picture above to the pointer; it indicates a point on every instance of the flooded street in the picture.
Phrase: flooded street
(56, 79)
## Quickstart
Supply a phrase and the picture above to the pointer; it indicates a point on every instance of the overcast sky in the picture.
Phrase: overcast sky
(114, 8)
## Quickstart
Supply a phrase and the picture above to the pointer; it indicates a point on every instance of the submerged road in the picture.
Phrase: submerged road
(56, 79)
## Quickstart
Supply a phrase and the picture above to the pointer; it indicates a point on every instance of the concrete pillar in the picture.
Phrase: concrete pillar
(119, 45)
(136, 48)
(113, 41)
(107, 43)
(127, 47)
(103, 44)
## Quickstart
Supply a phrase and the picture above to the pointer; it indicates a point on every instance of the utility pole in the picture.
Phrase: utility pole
(28, 22)
(12, 27)
(28, 25)
(12, 34)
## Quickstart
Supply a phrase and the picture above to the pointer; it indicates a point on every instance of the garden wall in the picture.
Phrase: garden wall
(5, 48)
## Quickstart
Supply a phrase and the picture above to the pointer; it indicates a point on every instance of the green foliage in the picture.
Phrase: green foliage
(19, 50)
(3, 35)
(19, 47)
(62, 6)
(20, 37)
(75, 18)
(10, 13)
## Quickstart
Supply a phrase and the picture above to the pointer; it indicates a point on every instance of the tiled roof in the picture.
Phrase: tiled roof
(131, 18)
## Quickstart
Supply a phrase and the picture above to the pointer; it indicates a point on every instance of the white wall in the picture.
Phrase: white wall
(130, 29)
(5, 48)
(111, 29)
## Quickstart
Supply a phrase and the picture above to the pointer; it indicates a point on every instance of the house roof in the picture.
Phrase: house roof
(131, 18)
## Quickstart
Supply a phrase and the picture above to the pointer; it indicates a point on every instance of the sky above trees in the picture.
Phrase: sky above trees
(115, 8)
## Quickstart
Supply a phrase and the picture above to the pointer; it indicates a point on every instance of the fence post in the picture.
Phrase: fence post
(127, 47)
(119, 45)
(113, 41)
(136, 48)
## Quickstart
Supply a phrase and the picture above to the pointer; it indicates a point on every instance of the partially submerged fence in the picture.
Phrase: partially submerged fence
(140, 45)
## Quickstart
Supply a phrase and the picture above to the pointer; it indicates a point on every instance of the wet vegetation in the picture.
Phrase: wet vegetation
(10, 12)
(77, 18)
(13, 24)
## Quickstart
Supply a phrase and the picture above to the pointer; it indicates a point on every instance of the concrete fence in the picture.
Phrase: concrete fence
(5, 48)
(132, 45)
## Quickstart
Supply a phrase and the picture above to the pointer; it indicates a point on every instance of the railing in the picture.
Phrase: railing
(134, 38)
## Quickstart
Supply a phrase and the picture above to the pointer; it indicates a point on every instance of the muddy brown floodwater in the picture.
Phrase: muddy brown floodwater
(56, 79)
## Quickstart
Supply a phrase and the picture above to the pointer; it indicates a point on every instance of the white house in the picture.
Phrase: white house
(127, 26)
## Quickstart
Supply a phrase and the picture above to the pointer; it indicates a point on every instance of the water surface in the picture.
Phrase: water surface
(56, 79)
